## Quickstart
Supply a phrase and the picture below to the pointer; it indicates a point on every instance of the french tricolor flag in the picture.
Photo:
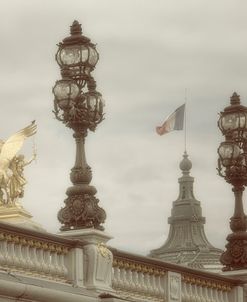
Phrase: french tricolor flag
(175, 121)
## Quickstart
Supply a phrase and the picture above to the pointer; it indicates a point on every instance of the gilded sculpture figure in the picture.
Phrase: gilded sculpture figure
(12, 180)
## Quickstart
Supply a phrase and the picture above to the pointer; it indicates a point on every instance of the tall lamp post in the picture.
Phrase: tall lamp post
(80, 107)
(232, 165)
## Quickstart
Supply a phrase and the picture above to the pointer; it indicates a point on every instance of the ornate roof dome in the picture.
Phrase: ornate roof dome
(187, 243)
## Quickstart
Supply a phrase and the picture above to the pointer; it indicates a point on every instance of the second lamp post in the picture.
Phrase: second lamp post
(232, 165)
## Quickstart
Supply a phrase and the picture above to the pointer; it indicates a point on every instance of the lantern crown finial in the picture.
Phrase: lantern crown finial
(235, 99)
(75, 28)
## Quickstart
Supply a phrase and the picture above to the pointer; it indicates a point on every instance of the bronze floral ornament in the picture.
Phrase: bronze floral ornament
(79, 106)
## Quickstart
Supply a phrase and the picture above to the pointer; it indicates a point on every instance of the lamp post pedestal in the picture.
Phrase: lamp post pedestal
(97, 258)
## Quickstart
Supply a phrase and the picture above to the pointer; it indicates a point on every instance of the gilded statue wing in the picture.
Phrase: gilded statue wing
(14, 143)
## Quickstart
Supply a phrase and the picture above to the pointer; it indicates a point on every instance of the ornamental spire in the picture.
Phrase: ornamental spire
(187, 243)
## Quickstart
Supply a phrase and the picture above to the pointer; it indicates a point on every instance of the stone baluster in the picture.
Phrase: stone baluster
(153, 282)
(122, 273)
(216, 295)
(210, 294)
(55, 271)
(62, 256)
(34, 246)
(195, 292)
(136, 278)
(31, 259)
(184, 292)
(201, 293)
(40, 257)
(19, 254)
(220, 296)
(157, 285)
(128, 279)
(225, 297)
(136, 286)
(8, 251)
(60, 268)
(203, 298)
(46, 260)
(115, 277)
(3, 251)
(149, 290)
(191, 295)
(145, 279)
(13, 246)
(162, 288)
(141, 282)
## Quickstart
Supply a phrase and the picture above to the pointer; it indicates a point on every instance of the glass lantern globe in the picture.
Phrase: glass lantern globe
(77, 53)
(65, 91)
(233, 121)
(94, 102)
(228, 153)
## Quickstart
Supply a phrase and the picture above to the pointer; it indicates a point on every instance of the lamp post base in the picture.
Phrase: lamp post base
(235, 256)
(81, 211)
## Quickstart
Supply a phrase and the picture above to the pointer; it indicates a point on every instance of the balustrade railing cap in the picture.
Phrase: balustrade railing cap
(38, 235)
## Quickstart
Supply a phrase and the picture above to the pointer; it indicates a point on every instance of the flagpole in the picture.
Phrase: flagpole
(185, 122)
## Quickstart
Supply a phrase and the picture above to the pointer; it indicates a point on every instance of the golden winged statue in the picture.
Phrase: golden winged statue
(12, 179)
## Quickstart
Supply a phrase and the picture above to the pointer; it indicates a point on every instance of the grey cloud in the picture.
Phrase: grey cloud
(149, 54)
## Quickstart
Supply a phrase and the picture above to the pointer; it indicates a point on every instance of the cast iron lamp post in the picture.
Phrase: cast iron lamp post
(232, 165)
(80, 107)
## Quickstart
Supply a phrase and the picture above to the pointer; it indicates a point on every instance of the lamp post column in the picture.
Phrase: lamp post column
(238, 220)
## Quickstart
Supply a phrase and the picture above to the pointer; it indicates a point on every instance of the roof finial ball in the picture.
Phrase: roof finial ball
(185, 164)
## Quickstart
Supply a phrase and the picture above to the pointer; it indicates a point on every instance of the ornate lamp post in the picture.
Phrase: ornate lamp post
(80, 107)
(232, 165)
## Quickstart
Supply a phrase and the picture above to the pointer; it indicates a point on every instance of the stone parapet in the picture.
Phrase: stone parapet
(146, 279)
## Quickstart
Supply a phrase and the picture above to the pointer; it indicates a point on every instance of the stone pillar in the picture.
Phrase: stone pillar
(76, 275)
(97, 258)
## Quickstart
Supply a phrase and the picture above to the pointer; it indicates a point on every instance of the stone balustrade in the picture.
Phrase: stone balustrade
(87, 263)
(203, 289)
(35, 254)
(147, 279)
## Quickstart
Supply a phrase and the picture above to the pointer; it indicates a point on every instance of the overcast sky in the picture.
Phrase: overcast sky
(150, 52)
